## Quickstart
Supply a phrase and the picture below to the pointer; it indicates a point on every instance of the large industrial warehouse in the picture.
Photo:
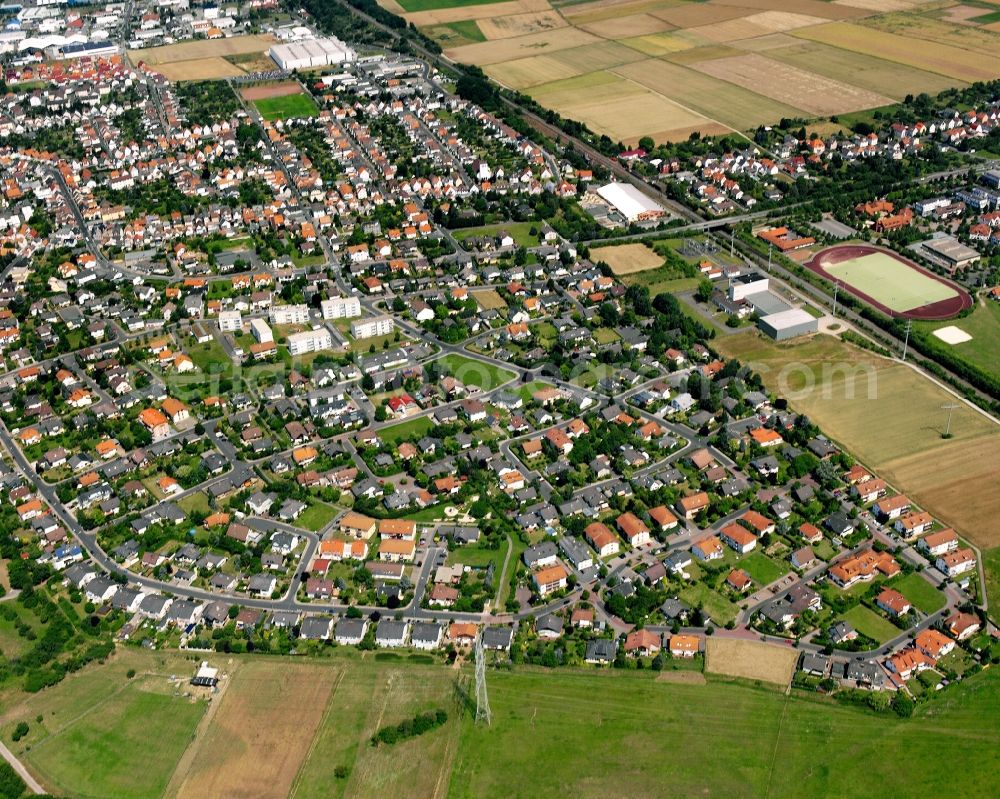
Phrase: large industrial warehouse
(630, 202)
(788, 324)
(311, 53)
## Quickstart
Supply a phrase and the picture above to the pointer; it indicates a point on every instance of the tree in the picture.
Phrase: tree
(704, 292)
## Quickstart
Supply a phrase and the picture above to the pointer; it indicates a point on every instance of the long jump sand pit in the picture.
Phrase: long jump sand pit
(952, 335)
(261, 732)
(626, 259)
(750, 660)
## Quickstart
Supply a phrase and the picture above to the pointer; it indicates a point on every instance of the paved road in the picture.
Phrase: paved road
(23, 773)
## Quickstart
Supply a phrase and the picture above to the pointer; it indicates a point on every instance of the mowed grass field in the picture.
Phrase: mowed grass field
(890, 417)
(891, 282)
(869, 623)
(290, 106)
(983, 324)
(552, 732)
(665, 68)
(474, 372)
(713, 738)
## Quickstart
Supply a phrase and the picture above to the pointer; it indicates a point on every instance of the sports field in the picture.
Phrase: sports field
(714, 65)
(889, 282)
(289, 106)
(890, 417)
(702, 738)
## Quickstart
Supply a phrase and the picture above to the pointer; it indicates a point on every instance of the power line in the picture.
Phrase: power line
(950, 407)
(482, 698)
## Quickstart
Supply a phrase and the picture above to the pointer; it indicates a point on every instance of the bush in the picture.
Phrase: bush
(410, 728)
(20, 731)
(130, 674)
(340, 772)
(11, 785)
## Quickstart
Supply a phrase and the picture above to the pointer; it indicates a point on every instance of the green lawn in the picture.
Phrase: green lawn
(468, 28)
(474, 372)
(991, 565)
(520, 231)
(605, 335)
(316, 516)
(109, 751)
(197, 501)
(527, 390)
(921, 593)
(983, 324)
(714, 604)
(286, 107)
(869, 623)
(432, 513)
(763, 570)
(409, 429)
(716, 740)
(478, 556)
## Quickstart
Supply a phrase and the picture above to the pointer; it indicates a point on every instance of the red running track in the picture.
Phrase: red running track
(935, 311)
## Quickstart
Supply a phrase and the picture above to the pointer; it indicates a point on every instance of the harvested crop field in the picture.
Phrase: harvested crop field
(523, 73)
(620, 108)
(261, 732)
(955, 62)
(520, 24)
(750, 660)
(715, 99)
(198, 69)
(483, 53)
(270, 90)
(865, 71)
(445, 16)
(813, 93)
(749, 62)
(201, 49)
(624, 27)
(959, 484)
(624, 259)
